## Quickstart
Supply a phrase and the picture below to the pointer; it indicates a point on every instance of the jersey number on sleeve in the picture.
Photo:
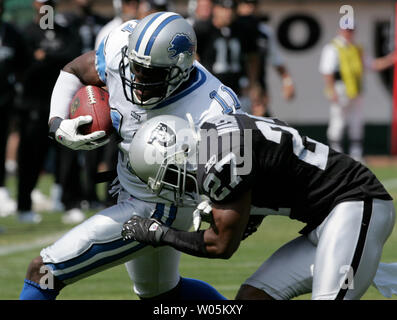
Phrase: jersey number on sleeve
(226, 94)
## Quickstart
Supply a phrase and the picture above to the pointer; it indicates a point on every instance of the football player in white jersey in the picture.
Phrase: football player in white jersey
(149, 69)
(241, 161)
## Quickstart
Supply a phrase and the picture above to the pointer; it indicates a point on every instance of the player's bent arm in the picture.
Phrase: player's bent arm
(79, 72)
(223, 237)
(221, 240)
(83, 67)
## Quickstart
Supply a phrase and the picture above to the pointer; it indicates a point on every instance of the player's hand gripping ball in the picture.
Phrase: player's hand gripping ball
(92, 101)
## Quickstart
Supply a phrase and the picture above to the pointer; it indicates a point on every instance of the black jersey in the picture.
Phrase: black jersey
(282, 168)
(259, 41)
(61, 45)
(223, 52)
(12, 60)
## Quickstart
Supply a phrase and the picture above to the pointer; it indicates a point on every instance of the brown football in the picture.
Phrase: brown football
(93, 101)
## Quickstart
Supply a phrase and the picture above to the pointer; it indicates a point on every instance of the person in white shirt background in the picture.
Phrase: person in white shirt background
(342, 65)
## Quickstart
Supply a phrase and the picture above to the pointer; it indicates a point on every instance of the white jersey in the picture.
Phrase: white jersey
(106, 29)
(329, 60)
(203, 96)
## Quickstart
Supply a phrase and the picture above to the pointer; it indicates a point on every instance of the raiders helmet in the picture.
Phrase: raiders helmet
(163, 154)
(158, 59)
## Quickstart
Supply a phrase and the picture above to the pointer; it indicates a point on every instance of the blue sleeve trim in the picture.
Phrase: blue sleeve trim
(100, 61)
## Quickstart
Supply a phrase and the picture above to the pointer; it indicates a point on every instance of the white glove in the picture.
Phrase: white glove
(68, 135)
(202, 212)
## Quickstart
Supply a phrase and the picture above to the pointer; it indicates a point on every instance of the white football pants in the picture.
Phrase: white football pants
(96, 245)
(337, 260)
(346, 114)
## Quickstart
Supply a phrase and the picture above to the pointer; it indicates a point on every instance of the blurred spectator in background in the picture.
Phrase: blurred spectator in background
(147, 7)
(227, 50)
(199, 10)
(249, 21)
(50, 48)
(129, 10)
(12, 63)
(88, 23)
(342, 65)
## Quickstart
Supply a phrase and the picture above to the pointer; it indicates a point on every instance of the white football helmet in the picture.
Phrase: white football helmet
(163, 154)
(158, 59)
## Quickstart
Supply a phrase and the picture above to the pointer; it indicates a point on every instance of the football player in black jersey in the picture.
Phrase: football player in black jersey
(226, 49)
(251, 21)
(242, 161)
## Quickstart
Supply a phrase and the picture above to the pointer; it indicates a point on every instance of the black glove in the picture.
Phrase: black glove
(144, 230)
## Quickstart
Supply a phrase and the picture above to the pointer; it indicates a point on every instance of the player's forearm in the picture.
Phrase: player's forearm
(65, 87)
(188, 242)
(199, 244)
(77, 73)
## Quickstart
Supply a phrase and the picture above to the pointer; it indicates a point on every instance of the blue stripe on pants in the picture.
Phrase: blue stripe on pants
(98, 248)
(102, 248)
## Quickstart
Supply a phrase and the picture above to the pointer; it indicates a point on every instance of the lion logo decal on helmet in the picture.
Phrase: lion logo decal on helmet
(180, 43)
(164, 135)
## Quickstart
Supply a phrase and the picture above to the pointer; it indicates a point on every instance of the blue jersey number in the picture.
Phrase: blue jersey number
(227, 108)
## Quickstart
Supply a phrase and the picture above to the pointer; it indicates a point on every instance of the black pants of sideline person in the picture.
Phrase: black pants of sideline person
(4, 131)
(33, 146)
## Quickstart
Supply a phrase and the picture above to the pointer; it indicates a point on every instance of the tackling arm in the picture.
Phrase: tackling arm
(223, 237)
(220, 240)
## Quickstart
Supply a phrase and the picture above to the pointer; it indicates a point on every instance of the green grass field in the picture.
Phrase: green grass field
(20, 243)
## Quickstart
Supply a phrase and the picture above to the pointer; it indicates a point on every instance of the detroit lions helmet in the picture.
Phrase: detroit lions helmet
(160, 55)
(163, 154)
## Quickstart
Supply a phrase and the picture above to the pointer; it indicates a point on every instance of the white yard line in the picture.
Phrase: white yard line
(36, 243)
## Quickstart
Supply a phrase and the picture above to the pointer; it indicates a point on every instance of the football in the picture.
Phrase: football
(93, 101)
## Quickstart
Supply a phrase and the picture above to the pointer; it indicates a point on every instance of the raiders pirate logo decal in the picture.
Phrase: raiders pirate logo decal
(163, 135)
